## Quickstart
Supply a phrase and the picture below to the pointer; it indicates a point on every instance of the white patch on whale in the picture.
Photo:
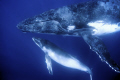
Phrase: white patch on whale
(102, 27)
(70, 28)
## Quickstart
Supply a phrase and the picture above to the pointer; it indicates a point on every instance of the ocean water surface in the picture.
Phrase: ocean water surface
(21, 59)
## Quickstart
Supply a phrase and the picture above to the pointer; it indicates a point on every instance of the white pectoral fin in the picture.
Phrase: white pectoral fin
(49, 64)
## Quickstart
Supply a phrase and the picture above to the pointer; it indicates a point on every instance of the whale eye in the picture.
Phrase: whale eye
(119, 24)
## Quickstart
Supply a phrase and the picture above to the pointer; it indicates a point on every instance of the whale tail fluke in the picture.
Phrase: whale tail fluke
(90, 76)
(90, 73)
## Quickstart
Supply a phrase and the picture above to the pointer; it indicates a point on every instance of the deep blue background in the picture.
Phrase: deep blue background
(21, 59)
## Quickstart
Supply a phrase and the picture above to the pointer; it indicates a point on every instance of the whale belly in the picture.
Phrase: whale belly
(65, 60)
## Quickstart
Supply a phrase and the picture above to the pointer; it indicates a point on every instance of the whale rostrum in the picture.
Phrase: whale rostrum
(88, 20)
(60, 56)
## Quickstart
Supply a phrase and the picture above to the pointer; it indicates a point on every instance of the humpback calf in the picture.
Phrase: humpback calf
(88, 20)
(60, 56)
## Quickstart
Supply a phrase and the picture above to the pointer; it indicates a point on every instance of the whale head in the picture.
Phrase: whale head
(40, 42)
(47, 22)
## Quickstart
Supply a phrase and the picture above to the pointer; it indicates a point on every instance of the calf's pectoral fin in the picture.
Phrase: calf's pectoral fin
(49, 64)
(99, 47)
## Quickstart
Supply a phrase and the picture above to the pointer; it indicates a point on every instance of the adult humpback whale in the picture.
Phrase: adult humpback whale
(89, 20)
(60, 56)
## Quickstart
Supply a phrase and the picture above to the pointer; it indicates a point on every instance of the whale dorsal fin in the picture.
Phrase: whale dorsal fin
(49, 64)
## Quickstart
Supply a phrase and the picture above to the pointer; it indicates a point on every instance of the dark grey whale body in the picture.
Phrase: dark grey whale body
(80, 20)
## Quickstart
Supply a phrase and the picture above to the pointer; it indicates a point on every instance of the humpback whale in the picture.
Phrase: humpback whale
(60, 56)
(88, 20)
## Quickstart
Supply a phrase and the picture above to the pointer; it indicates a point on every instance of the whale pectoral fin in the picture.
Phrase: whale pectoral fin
(99, 47)
(49, 64)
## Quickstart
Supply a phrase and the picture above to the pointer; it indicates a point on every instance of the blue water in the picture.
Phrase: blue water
(21, 59)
